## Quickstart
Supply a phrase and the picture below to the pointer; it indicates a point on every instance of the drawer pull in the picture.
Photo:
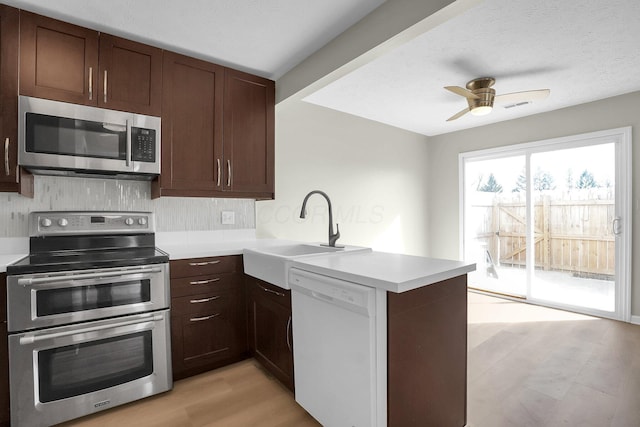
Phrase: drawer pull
(200, 264)
(271, 291)
(198, 301)
(201, 319)
(204, 282)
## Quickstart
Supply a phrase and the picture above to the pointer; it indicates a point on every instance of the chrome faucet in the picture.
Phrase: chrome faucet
(303, 212)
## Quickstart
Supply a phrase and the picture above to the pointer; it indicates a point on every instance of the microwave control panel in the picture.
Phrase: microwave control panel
(143, 145)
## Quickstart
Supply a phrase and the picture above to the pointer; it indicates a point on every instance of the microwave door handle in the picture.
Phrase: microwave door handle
(32, 338)
(128, 143)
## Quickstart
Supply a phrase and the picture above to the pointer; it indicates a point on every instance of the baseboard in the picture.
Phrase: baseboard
(635, 320)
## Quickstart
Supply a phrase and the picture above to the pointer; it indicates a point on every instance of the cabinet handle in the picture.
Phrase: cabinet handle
(289, 333)
(90, 83)
(199, 301)
(200, 319)
(218, 182)
(105, 86)
(271, 291)
(228, 173)
(200, 264)
(204, 282)
(7, 171)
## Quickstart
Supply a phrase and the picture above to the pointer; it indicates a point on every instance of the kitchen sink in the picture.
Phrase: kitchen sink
(271, 263)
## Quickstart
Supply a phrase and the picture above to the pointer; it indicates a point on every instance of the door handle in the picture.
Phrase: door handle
(105, 86)
(289, 333)
(218, 181)
(228, 173)
(30, 339)
(617, 226)
(27, 281)
(90, 83)
(7, 171)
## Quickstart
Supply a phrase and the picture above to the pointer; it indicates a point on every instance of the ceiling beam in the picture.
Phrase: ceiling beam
(393, 23)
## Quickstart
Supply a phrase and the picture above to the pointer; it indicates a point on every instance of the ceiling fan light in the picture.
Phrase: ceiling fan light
(482, 110)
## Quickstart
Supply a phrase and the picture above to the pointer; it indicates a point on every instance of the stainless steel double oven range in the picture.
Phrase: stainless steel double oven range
(88, 316)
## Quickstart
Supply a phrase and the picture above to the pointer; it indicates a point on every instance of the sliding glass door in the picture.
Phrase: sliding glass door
(550, 221)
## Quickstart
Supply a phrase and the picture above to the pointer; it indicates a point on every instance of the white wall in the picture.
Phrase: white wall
(374, 174)
(610, 113)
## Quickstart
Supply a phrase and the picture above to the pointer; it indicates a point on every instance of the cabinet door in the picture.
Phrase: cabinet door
(202, 338)
(9, 95)
(58, 60)
(4, 357)
(270, 329)
(249, 133)
(130, 77)
(191, 127)
(12, 178)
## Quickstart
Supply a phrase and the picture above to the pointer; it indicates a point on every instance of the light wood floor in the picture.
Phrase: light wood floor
(528, 366)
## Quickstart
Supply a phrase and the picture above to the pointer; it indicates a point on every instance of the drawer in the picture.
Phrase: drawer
(204, 284)
(205, 304)
(261, 289)
(203, 266)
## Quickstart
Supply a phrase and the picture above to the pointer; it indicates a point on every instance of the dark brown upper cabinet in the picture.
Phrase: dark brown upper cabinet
(12, 178)
(130, 76)
(249, 133)
(73, 64)
(192, 163)
(217, 131)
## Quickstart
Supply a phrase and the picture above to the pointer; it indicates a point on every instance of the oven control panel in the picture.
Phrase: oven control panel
(90, 222)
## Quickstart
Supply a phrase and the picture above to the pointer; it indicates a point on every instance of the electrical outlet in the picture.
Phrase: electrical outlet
(228, 217)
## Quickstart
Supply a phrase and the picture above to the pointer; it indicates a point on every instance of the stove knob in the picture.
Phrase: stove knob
(45, 222)
(62, 222)
(128, 221)
(142, 221)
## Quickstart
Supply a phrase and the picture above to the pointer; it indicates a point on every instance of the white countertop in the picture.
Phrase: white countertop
(197, 244)
(391, 272)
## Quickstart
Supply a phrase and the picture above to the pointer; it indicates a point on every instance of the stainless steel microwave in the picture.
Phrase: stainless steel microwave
(57, 138)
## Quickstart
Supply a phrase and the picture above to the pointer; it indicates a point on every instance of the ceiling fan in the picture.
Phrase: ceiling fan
(481, 96)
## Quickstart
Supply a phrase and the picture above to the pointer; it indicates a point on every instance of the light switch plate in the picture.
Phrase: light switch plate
(228, 217)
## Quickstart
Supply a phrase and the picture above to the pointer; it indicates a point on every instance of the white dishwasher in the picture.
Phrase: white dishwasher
(339, 350)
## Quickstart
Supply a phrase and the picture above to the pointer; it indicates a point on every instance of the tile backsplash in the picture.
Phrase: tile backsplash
(172, 213)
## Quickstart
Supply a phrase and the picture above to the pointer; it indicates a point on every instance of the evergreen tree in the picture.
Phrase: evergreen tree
(586, 180)
(542, 180)
(491, 186)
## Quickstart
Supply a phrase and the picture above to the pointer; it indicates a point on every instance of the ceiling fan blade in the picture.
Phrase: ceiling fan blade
(462, 92)
(458, 114)
(529, 95)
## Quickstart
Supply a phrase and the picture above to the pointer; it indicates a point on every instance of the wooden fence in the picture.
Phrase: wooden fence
(570, 235)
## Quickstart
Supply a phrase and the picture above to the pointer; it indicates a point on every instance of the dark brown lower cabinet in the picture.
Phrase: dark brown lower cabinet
(208, 316)
(270, 334)
(4, 355)
(427, 355)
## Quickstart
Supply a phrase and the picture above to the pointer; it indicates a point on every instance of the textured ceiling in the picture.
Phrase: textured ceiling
(267, 38)
(583, 50)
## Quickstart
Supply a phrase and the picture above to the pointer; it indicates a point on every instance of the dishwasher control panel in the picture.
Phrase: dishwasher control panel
(350, 295)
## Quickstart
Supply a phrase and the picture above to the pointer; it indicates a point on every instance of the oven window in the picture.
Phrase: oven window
(78, 369)
(90, 297)
(59, 135)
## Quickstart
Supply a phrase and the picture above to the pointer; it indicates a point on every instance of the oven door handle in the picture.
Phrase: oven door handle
(32, 338)
(27, 281)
